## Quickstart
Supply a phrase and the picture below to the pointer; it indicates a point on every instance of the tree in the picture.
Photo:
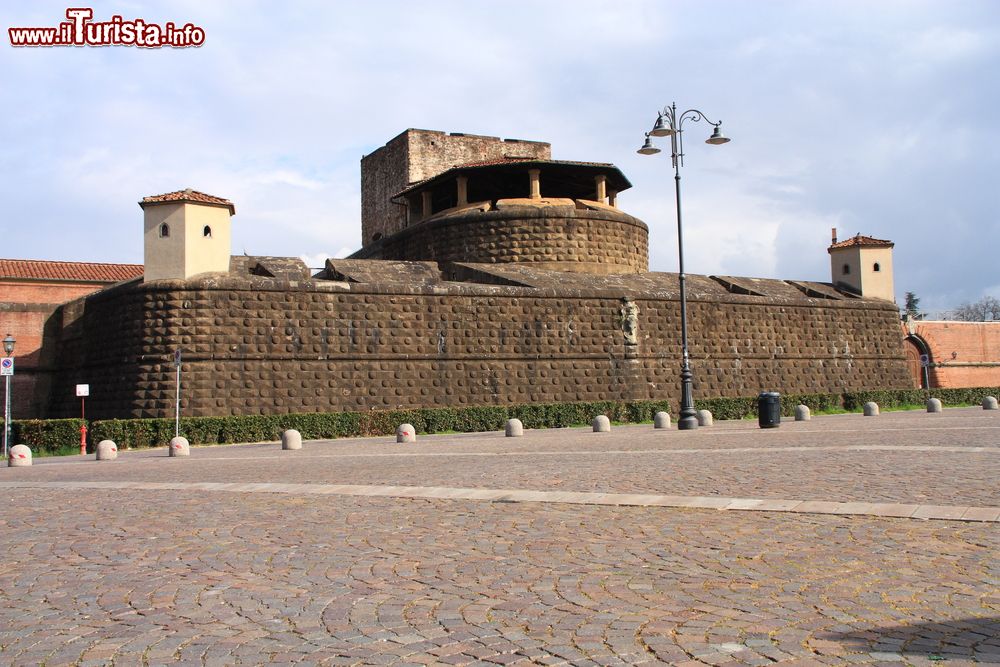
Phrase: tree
(912, 307)
(985, 310)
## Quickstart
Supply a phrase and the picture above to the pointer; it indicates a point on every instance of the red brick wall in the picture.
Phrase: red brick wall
(26, 323)
(15, 291)
(963, 354)
(26, 309)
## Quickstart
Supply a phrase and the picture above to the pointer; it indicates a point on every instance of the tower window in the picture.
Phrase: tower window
(847, 269)
(876, 267)
(164, 230)
(207, 232)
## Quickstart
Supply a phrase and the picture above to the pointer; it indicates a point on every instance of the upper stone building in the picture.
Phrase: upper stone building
(442, 197)
(417, 155)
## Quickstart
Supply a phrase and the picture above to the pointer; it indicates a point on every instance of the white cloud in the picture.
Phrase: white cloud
(853, 114)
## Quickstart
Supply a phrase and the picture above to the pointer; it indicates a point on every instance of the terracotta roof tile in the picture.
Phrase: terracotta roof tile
(35, 269)
(188, 195)
(514, 160)
(859, 240)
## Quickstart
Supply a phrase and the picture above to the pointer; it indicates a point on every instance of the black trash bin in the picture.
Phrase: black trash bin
(769, 409)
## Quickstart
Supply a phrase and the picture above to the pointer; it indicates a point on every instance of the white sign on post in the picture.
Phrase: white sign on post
(6, 366)
(83, 390)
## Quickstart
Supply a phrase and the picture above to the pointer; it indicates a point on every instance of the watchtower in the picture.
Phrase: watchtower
(862, 265)
(186, 233)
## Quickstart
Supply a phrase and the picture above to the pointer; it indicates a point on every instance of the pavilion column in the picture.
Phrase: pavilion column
(534, 175)
(613, 198)
(463, 190)
(426, 194)
(600, 186)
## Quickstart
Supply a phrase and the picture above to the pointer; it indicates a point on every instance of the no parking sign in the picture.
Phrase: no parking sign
(6, 366)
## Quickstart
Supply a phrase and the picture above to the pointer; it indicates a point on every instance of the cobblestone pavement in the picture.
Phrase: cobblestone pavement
(193, 576)
(897, 457)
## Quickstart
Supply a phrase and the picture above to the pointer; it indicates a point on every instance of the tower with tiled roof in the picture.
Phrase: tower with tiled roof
(863, 265)
(186, 233)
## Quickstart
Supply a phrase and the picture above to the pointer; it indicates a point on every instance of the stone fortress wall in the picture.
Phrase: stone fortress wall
(373, 335)
(556, 234)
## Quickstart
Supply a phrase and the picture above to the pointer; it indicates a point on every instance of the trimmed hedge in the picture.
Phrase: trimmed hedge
(55, 434)
(138, 433)
(855, 400)
(746, 407)
(46, 436)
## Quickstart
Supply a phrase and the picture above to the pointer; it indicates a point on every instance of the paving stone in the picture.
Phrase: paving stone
(146, 560)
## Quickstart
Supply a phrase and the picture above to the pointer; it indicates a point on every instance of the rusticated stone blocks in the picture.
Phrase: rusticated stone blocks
(574, 239)
(257, 346)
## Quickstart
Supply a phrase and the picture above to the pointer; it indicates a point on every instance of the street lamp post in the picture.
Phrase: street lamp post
(8, 348)
(671, 124)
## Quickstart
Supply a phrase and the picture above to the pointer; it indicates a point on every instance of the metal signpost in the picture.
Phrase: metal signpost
(177, 407)
(7, 371)
(83, 390)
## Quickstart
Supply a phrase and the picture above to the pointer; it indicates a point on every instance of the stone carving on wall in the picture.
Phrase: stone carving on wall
(630, 321)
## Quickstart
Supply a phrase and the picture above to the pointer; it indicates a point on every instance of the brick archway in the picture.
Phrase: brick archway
(915, 347)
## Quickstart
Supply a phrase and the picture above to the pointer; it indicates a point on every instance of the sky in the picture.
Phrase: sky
(872, 117)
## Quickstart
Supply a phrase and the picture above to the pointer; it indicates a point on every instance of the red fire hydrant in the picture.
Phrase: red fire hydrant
(83, 440)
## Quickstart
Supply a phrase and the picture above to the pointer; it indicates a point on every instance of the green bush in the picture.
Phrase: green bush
(51, 435)
(47, 436)
(892, 398)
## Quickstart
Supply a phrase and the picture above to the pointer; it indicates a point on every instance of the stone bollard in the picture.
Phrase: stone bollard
(802, 413)
(933, 405)
(106, 450)
(514, 428)
(406, 433)
(705, 418)
(661, 420)
(601, 424)
(19, 456)
(291, 439)
(871, 409)
(989, 403)
(179, 446)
